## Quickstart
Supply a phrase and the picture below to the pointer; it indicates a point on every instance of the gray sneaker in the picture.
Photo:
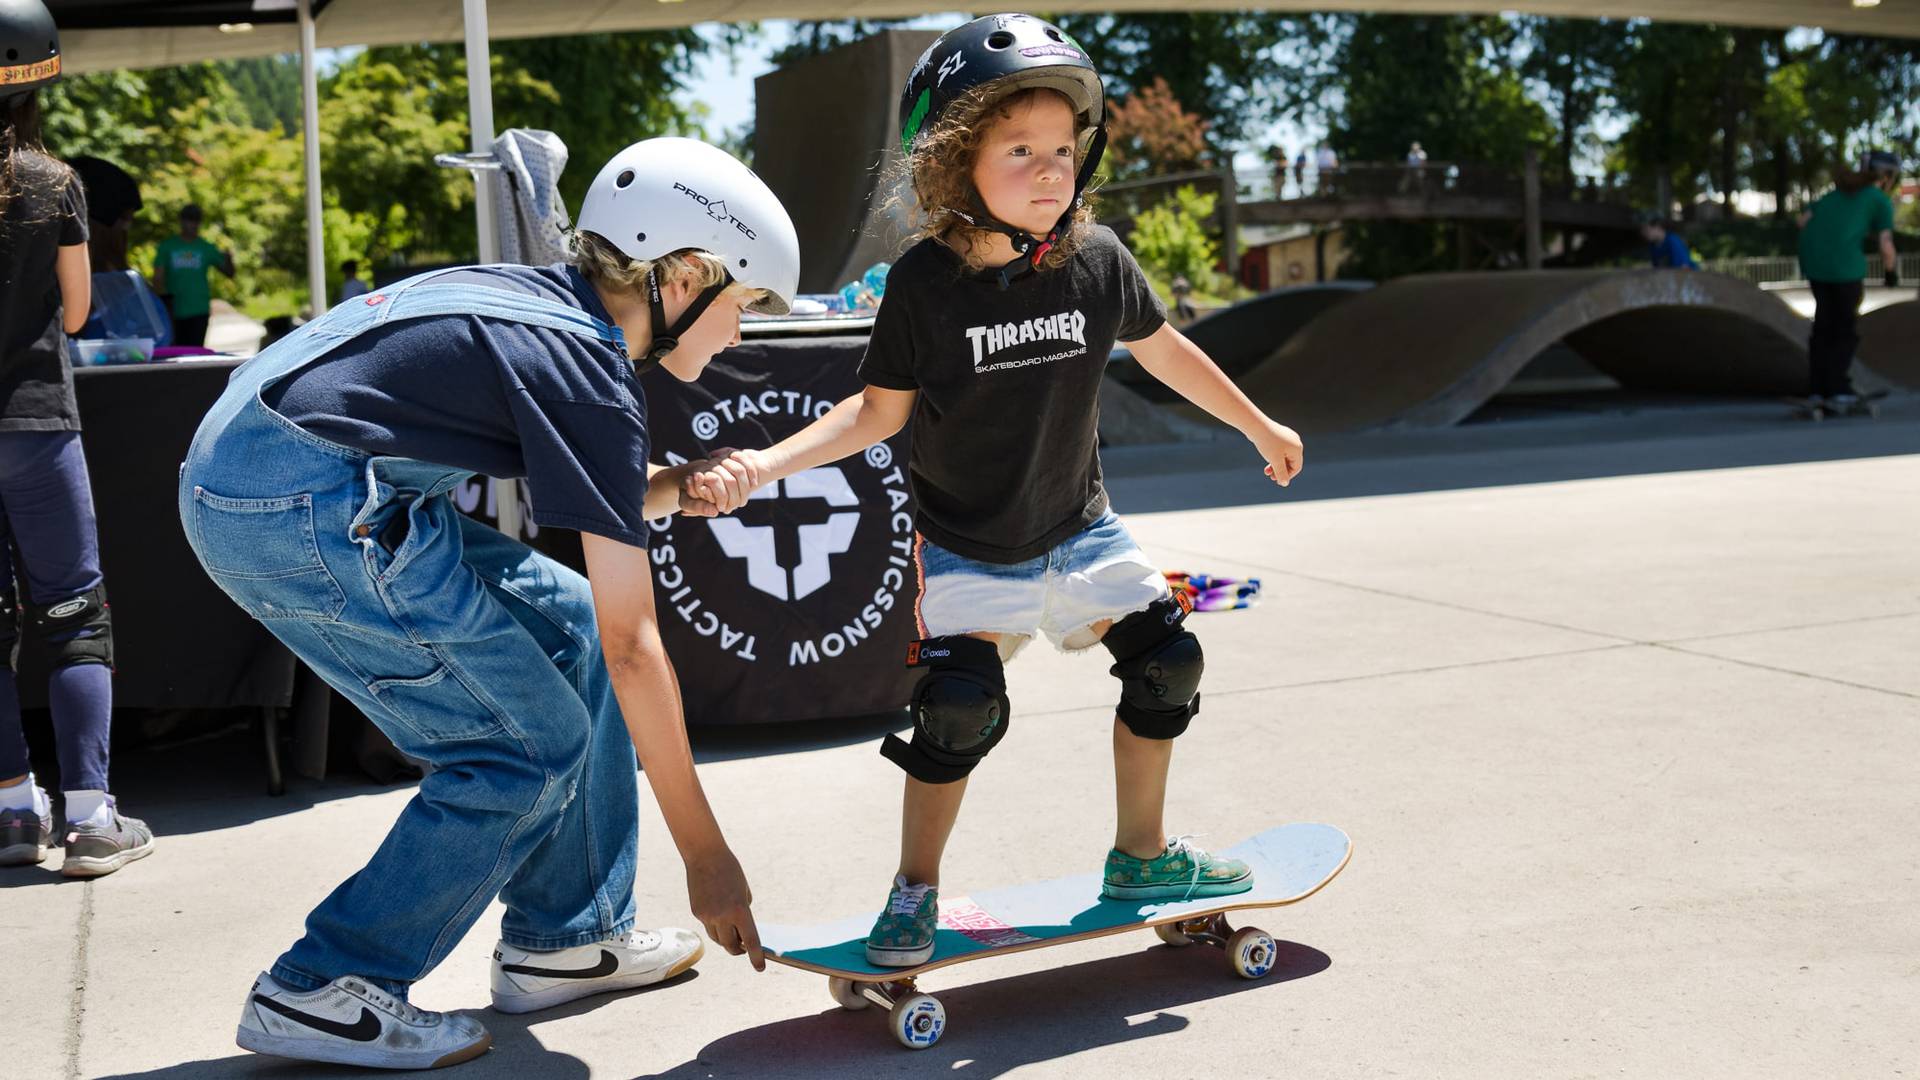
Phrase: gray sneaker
(23, 837)
(94, 850)
(350, 1021)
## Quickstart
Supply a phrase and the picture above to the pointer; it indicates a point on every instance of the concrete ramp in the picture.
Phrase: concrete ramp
(825, 138)
(1242, 337)
(1890, 343)
(1427, 350)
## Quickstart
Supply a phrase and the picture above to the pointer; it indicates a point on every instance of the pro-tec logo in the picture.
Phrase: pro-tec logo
(986, 341)
(819, 542)
(717, 210)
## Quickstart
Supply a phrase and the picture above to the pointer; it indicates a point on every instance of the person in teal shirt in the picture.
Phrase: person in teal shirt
(180, 268)
(1833, 235)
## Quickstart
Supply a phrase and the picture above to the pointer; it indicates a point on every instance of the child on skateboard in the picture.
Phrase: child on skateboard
(993, 339)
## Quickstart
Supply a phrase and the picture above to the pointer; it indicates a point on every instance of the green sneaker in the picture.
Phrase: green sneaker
(903, 935)
(1182, 872)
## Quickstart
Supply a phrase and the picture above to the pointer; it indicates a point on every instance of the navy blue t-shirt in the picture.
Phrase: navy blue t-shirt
(497, 397)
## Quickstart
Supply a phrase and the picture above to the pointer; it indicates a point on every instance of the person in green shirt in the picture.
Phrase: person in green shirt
(180, 268)
(1833, 235)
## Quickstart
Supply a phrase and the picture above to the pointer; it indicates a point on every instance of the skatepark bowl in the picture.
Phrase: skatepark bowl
(1430, 349)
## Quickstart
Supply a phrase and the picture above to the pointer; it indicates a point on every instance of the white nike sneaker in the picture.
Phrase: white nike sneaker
(350, 1021)
(524, 980)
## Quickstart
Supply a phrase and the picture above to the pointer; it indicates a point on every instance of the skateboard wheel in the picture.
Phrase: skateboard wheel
(1170, 933)
(918, 1020)
(1252, 953)
(846, 994)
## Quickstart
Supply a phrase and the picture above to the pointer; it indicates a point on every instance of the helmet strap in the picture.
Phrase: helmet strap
(665, 339)
(1030, 249)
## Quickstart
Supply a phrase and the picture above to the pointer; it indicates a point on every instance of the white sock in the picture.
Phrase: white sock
(88, 808)
(19, 796)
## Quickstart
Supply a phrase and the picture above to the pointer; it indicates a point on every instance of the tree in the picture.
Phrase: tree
(1171, 240)
(1149, 133)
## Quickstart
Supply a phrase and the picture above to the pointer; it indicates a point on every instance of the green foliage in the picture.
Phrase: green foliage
(1172, 240)
(227, 136)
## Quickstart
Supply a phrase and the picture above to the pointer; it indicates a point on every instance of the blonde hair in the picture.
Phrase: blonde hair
(941, 167)
(610, 268)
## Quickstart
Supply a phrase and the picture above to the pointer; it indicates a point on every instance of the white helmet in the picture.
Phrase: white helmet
(660, 196)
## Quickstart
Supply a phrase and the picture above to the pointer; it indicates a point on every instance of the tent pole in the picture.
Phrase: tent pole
(506, 493)
(480, 109)
(310, 136)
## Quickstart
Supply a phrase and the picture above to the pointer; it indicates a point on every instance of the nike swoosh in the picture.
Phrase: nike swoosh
(607, 966)
(365, 1029)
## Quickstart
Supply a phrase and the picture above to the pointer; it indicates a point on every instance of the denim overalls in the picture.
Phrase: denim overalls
(468, 649)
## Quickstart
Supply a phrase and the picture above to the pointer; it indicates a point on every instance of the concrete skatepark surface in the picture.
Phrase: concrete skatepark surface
(1242, 337)
(1619, 711)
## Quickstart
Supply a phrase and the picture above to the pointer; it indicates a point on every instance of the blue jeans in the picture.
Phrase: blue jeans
(468, 649)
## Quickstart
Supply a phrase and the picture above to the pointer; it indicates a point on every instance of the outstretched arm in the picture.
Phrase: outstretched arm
(1168, 356)
(868, 417)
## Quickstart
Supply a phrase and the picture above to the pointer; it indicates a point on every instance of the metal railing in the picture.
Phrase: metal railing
(1785, 269)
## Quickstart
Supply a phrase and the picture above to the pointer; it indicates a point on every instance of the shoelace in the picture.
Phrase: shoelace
(404, 1010)
(907, 899)
(1196, 857)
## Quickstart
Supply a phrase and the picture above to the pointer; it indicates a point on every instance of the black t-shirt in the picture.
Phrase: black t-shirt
(1006, 459)
(48, 211)
(497, 397)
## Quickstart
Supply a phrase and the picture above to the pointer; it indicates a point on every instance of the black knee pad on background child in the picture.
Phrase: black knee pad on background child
(78, 630)
(960, 709)
(1159, 664)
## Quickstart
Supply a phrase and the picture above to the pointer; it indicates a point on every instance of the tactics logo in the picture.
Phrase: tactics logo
(717, 210)
(1070, 326)
(836, 539)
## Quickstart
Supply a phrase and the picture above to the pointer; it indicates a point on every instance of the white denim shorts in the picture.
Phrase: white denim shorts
(1096, 574)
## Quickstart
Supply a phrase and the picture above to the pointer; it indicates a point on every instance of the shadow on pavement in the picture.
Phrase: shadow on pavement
(996, 1027)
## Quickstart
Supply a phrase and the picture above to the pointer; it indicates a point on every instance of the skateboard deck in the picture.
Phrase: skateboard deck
(1289, 863)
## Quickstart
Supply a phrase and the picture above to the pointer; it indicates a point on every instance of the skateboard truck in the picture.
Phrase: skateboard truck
(917, 1019)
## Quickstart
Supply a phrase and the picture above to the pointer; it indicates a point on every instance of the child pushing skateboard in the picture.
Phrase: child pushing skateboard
(993, 340)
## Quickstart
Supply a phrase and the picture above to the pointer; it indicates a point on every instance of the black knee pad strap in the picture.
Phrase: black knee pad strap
(959, 708)
(1159, 664)
(78, 630)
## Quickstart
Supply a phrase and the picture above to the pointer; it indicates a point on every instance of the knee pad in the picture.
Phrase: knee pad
(960, 709)
(73, 631)
(1158, 663)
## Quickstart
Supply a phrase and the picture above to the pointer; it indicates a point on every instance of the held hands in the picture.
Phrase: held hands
(718, 895)
(726, 479)
(1281, 446)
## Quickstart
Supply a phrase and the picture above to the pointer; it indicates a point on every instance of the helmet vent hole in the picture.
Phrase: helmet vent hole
(13, 54)
(1000, 39)
(743, 264)
(1054, 34)
(624, 179)
(642, 237)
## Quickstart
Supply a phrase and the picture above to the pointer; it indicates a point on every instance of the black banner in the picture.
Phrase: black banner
(798, 606)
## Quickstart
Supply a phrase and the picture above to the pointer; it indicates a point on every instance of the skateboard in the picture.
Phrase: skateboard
(1290, 863)
(1818, 409)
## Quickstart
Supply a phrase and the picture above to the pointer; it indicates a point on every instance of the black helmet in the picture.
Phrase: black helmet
(1011, 51)
(29, 48)
(1880, 161)
(1008, 53)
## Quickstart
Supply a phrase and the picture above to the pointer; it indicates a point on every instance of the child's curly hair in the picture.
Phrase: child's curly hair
(941, 169)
